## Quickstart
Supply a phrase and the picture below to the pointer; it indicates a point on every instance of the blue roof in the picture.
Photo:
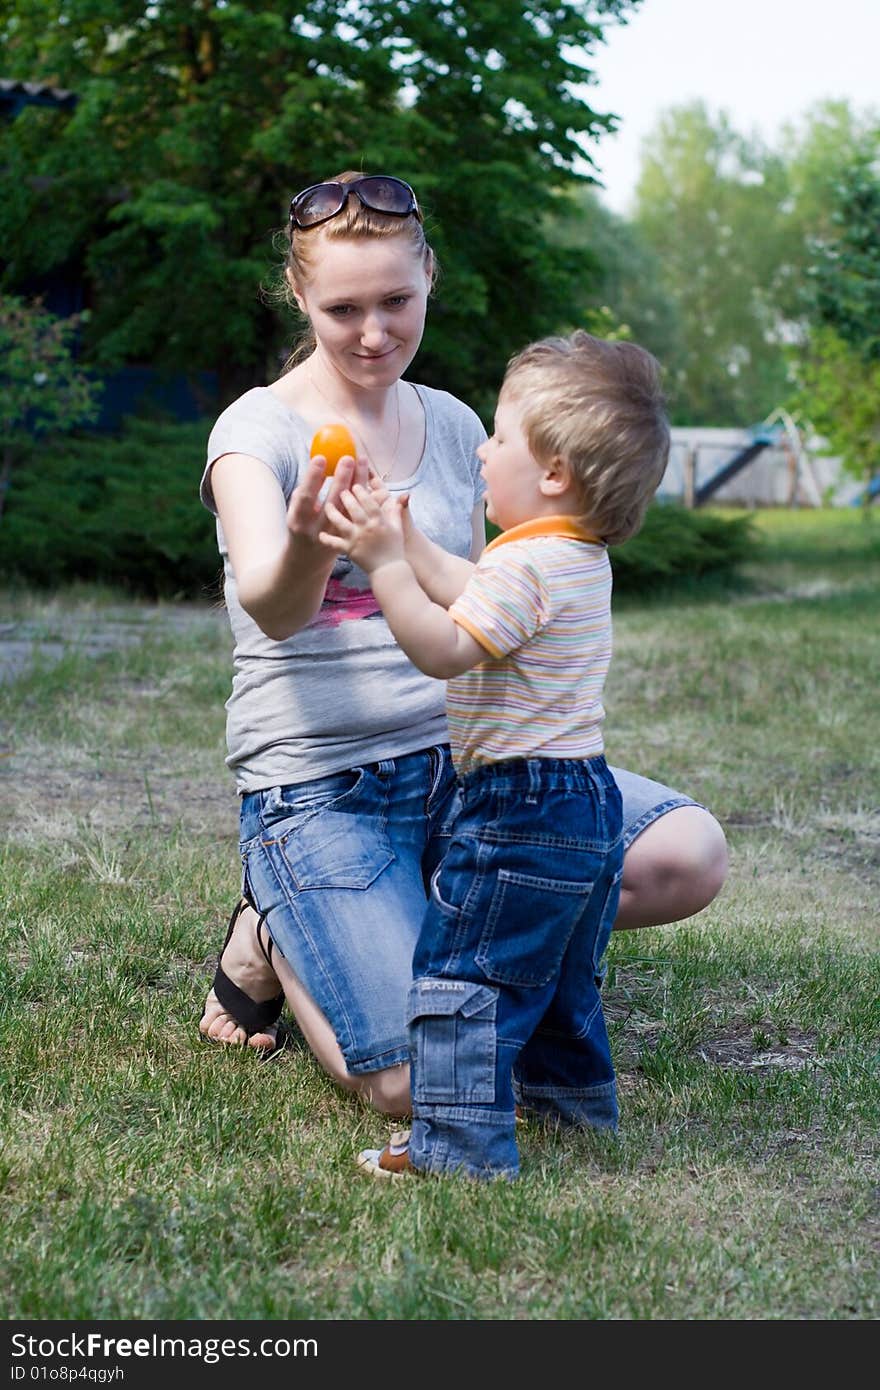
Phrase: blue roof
(16, 95)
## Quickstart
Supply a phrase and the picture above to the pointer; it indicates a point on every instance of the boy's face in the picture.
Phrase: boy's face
(510, 470)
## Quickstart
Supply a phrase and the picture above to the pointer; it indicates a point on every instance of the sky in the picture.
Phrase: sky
(764, 62)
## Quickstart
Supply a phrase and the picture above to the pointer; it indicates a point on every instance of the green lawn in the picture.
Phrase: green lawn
(147, 1174)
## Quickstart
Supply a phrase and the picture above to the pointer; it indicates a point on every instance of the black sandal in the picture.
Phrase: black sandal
(250, 1015)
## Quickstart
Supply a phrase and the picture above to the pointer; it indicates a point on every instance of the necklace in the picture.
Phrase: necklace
(385, 477)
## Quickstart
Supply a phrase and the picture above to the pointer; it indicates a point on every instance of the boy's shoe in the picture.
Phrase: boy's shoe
(390, 1162)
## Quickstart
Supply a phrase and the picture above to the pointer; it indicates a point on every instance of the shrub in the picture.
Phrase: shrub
(121, 510)
(677, 544)
(124, 510)
(43, 393)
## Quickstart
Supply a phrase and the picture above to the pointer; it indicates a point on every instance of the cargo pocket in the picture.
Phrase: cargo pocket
(453, 1041)
(528, 927)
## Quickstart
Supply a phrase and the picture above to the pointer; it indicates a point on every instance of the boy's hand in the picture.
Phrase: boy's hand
(401, 500)
(370, 531)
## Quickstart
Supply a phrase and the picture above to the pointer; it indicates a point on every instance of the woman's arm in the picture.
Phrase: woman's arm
(280, 567)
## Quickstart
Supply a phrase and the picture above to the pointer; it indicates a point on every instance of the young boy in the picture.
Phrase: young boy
(505, 1007)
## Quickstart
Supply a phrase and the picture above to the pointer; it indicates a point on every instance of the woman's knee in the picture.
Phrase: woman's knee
(387, 1091)
(694, 852)
(674, 869)
(714, 857)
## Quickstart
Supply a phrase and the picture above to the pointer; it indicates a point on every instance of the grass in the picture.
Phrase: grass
(145, 1174)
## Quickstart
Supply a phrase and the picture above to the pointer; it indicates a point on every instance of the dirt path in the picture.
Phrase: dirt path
(46, 638)
(71, 783)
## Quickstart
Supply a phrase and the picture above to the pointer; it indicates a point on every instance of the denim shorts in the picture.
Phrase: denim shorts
(341, 867)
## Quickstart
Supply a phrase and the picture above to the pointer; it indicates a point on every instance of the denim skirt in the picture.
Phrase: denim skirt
(341, 868)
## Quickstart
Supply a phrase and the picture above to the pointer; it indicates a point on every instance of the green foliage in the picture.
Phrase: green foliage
(709, 208)
(839, 388)
(837, 367)
(621, 293)
(677, 544)
(41, 388)
(196, 120)
(720, 251)
(846, 273)
(122, 510)
(42, 391)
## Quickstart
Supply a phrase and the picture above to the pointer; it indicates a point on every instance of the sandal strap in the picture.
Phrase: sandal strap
(249, 1014)
(266, 949)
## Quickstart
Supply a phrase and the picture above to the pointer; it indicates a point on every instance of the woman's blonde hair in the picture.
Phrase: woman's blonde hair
(600, 407)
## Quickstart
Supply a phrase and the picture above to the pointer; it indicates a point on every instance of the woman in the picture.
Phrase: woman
(337, 742)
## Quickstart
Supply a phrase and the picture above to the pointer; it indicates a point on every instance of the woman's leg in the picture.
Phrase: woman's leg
(336, 868)
(386, 1090)
(247, 967)
(673, 868)
(245, 963)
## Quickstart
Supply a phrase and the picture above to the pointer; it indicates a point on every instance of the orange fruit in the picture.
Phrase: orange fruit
(333, 441)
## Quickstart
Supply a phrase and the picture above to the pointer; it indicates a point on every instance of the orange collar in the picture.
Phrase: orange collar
(565, 526)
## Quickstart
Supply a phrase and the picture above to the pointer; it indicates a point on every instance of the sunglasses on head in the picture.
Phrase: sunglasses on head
(380, 192)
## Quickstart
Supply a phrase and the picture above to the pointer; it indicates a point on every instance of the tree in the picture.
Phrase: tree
(817, 151)
(846, 272)
(732, 226)
(620, 288)
(42, 391)
(838, 365)
(710, 206)
(196, 120)
(839, 391)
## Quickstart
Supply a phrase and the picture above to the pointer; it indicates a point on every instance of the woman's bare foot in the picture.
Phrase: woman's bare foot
(247, 967)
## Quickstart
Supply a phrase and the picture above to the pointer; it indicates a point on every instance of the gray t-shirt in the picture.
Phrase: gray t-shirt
(340, 692)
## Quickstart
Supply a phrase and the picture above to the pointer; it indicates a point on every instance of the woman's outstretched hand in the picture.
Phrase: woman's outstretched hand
(307, 510)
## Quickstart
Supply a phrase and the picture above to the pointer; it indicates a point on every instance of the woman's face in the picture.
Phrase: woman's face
(366, 300)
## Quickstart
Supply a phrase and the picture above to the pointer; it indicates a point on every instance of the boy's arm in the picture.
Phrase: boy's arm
(431, 639)
(372, 534)
(441, 575)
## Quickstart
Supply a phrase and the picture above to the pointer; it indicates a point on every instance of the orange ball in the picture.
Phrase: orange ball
(333, 441)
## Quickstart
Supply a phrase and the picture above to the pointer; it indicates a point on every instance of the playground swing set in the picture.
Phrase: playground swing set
(778, 431)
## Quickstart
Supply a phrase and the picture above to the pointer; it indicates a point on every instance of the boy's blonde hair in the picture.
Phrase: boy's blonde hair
(600, 407)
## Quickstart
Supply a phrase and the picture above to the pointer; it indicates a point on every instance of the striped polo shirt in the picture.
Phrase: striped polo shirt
(539, 601)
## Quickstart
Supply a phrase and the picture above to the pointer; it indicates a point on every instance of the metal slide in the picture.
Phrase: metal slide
(730, 469)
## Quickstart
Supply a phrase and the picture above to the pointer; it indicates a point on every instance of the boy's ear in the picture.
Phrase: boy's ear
(556, 478)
